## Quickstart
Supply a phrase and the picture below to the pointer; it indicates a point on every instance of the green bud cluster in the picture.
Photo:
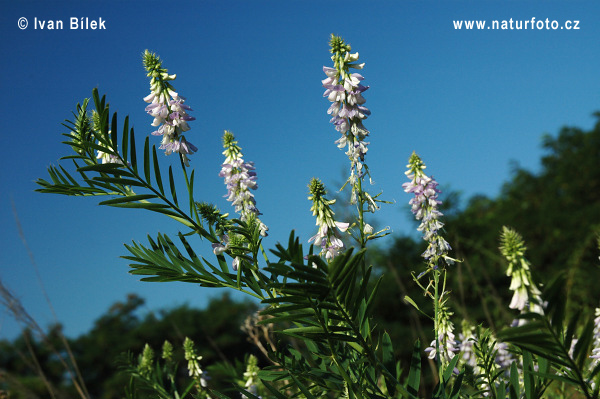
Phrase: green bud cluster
(342, 59)
(81, 131)
(512, 246)
(145, 365)
(251, 373)
(96, 122)
(189, 349)
(167, 351)
(338, 45)
(192, 357)
(232, 149)
(213, 216)
(317, 191)
(526, 294)
(153, 65)
(415, 165)
(159, 76)
(321, 205)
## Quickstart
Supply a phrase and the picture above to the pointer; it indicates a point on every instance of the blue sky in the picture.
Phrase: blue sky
(468, 101)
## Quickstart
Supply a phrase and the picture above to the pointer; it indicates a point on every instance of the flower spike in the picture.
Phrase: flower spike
(327, 236)
(424, 206)
(526, 294)
(168, 110)
(347, 110)
(240, 178)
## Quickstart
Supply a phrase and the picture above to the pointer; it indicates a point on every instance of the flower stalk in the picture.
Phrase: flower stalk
(424, 205)
(344, 90)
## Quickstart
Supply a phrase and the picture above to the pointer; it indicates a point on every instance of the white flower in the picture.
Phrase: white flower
(219, 248)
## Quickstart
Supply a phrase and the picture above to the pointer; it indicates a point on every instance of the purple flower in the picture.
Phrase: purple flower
(446, 339)
(424, 206)
(240, 178)
(168, 110)
(327, 236)
(344, 90)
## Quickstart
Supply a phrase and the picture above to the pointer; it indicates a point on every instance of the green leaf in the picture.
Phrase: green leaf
(528, 378)
(118, 180)
(450, 368)
(125, 139)
(414, 374)
(455, 393)
(387, 358)
(172, 185)
(305, 330)
(113, 132)
(157, 171)
(129, 198)
(100, 167)
(147, 160)
(153, 206)
(132, 151)
(514, 390)
(96, 98)
(273, 390)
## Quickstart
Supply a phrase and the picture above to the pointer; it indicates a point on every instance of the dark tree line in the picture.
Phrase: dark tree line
(122, 329)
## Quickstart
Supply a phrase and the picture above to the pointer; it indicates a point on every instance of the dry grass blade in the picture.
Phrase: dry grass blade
(17, 310)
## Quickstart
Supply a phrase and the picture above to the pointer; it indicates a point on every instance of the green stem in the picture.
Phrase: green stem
(361, 217)
(436, 323)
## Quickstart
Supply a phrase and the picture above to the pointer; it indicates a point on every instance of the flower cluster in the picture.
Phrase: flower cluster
(424, 206)
(251, 376)
(467, 340)
(445, 338)
(596, 351)
(145, 365)
(228, 241)
(168, 109)
(240, 178)
(167, 351)
(108, 157)
(193, 360)
(327, 237)
(526, 295)
(347, 111)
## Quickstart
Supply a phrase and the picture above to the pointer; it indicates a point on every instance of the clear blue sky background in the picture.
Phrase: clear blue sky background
(468, 102)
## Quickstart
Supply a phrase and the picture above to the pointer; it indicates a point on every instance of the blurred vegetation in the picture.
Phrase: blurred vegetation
(557, 211)
(215, 329)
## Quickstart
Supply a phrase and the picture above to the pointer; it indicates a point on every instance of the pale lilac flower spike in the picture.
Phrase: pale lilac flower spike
(168, 110)
(347, 109)
(240, 178)
(424, 205)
